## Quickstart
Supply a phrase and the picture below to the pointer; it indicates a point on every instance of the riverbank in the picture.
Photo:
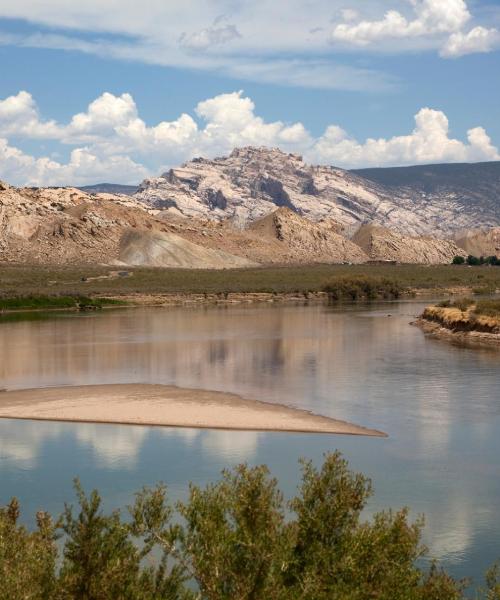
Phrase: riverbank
(464, 322)
(24, 287)
(143, 404)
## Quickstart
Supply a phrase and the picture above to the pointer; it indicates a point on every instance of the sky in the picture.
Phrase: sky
(120, 90)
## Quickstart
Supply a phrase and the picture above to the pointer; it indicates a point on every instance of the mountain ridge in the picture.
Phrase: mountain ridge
(252, 182)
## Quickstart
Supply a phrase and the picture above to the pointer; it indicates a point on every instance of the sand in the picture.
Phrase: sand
(140, 404)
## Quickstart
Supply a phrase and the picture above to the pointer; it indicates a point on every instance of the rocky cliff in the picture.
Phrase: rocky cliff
(253, 182)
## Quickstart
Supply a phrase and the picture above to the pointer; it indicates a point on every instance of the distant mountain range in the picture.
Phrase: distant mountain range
(109, 188)
(432, 179)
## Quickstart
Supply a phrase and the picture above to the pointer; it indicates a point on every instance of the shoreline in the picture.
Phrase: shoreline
(474, 339)
(167, 406)
(141, 299)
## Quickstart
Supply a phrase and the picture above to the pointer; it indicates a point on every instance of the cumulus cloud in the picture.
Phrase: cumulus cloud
(439, 22)
(111, 142)
(478, 39)
(83, 167)
(19, 116)
(429, 142)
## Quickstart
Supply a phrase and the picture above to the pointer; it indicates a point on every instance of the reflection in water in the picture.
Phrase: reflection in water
(438, 403)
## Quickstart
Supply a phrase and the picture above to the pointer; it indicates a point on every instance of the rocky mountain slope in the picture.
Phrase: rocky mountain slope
(480, 242)
(379, 243)
(252, 182)
(65, 225)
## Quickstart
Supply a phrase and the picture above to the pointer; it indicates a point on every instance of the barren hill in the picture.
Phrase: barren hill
(65, 225)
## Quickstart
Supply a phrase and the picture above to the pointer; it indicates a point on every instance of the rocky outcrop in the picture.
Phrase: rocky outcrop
(288, 235)
(480, 242)
(381, 244)
(66, 225)
(253, 182)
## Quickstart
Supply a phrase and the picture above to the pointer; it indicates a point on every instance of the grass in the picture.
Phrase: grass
(25, 280)
(489, 308)
(40, 302)
(466, 314)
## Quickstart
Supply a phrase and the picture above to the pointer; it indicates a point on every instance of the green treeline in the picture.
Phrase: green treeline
(236, 539)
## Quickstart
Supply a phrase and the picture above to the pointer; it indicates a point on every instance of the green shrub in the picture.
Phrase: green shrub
(362, 288)
(458, 260)
(236, 539)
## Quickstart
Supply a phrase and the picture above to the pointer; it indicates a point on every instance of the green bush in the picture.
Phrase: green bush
(362, 288)
(458, 260)
(236, 539)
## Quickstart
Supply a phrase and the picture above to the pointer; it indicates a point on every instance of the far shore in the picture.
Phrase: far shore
(145, 299)
(146, 404)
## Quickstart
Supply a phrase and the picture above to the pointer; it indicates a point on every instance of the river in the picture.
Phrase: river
(439, 404)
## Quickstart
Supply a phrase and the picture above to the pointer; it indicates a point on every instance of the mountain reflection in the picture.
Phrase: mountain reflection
(438, 403)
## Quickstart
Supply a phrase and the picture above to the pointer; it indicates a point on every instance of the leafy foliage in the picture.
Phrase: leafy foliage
(236, 539)
(362, 288)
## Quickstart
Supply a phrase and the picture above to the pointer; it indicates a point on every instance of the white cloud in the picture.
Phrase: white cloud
(82, 168)
(259, 41)
(103, 116)
(431, 17)
(478, 39)
(438, 23)
(19, 116)
(429, 142)
(209, 37)
(110, 141)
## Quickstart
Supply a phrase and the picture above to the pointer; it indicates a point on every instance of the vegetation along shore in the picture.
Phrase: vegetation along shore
(39, 287)
(236, 538)
(469, 321)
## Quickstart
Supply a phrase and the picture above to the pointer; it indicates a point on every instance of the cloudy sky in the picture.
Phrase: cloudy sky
(118, 90)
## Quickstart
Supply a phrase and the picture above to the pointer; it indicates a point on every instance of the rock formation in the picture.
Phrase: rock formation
(379, 243)
(253, 182)
(480, 242)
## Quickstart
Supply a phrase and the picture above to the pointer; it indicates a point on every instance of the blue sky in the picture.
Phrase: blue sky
(118, 91)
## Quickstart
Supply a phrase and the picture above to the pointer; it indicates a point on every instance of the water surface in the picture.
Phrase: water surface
(440, 405)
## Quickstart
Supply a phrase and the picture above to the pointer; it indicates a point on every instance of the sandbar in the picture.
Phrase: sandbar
(145, 404)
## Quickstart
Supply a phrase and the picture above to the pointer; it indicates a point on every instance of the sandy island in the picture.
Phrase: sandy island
(140, 404)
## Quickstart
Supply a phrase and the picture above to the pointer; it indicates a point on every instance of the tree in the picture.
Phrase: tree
(235, 539)
(27, 560)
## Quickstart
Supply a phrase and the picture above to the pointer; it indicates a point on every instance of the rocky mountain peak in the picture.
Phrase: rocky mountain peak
(253, 181)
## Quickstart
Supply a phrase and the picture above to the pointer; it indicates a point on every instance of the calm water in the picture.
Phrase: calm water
(439, 404)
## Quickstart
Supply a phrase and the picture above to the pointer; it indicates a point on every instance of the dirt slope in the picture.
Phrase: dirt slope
(159, 249)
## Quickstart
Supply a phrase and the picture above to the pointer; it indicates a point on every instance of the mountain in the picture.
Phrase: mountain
(252, 182)
(109, 188)
(67, 226)
(463, 178)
